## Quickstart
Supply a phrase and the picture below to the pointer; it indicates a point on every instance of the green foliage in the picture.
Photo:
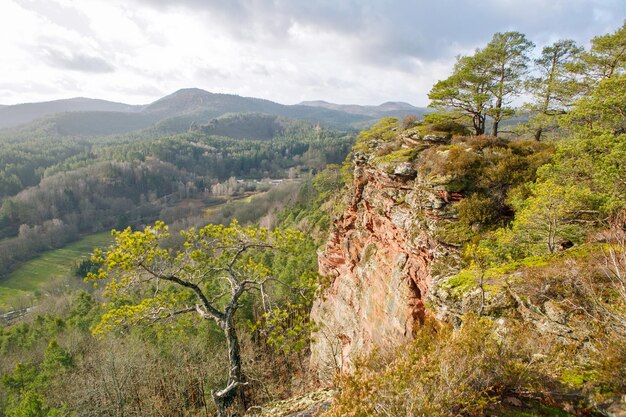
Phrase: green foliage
(28, 384)
(595, 163)
(85, 311)
(483, 84)
(392, 159)
(287, 327)
(27, 335)
(485, 170)
(209, 255)
(466, 91)
(582, 186)
(317, 202)
(384, 131)
(461, 282)
(554, 87)
(607, 56)
(328, 182)
(507, 57)
(602, 111)
(577, 379)
(547, 217)
(138, 256)
(84, 267)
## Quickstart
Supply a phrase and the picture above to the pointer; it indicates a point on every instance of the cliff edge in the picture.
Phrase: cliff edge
(382, 252)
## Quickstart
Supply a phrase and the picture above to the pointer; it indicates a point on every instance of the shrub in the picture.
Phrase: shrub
(478, 209)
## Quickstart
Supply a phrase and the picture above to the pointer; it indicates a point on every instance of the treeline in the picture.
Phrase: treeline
(28, 156)
(484, 85)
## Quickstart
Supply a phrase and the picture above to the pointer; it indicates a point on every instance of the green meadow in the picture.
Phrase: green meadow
(53, 264)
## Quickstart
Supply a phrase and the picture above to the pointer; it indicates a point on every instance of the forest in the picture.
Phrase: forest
(210, 315)
(57, 189)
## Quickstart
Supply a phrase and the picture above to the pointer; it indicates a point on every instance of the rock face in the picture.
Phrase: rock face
(382, 253)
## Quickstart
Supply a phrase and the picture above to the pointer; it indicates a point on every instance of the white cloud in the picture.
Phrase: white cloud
(351, 52)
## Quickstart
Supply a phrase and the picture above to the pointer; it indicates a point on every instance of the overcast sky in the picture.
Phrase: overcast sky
(344, 51)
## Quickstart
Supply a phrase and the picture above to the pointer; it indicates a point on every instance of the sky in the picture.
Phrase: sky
(342, 51)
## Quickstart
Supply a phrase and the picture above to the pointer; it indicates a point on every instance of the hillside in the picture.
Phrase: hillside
(15, 115)
(171, 114)
(421, 239)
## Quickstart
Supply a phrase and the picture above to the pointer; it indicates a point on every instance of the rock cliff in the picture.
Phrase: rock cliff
(383, 254)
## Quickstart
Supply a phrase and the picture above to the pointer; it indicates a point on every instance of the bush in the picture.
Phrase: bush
(478, 209)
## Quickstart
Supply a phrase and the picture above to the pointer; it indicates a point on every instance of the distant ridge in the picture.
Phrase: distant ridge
(18, 114)
(389, 108)
(176, 112)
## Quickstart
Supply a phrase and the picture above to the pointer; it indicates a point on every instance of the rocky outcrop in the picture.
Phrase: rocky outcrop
(383, 254)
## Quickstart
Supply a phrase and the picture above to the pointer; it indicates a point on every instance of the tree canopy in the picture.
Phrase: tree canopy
(554, 87)
(483, 84)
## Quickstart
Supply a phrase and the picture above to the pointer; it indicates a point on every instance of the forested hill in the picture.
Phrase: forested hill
(18, 114)
(175, 113)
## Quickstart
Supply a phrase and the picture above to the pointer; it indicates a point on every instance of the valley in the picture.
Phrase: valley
(55, 271)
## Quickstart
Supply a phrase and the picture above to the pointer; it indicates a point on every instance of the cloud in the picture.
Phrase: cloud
(364, 51)
(76, 61)
(409, 28)
(59, 14)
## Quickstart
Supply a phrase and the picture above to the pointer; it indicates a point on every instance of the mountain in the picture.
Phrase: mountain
(171, 114)
(11, 116)
(176, 112)
(390, 108)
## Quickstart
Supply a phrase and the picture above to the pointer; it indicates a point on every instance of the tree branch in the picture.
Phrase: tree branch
(195, 288)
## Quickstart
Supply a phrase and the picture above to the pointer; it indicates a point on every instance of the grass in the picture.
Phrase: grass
(53, 264)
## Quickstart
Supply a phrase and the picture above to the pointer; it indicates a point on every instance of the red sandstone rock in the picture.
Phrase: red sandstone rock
(380, 253)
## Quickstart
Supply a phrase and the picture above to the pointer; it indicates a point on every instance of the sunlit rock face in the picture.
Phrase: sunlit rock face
(381, 254)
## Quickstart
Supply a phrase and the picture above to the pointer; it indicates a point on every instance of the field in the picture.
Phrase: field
(57, 263)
